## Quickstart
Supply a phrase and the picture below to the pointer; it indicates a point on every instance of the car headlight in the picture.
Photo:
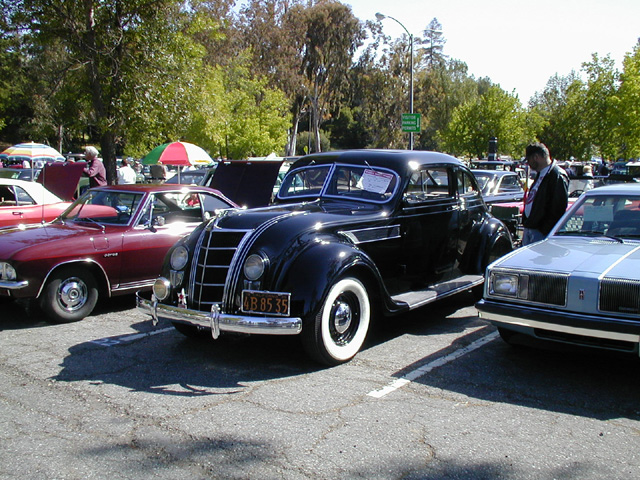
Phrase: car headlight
(509, 284)
(7, 272)
(254, 267)
(161, 288)
(179, 258)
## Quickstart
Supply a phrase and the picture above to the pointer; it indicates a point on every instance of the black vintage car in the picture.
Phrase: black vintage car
(351, 234)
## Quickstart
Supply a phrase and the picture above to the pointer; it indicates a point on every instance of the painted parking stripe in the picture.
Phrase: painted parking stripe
(111, 341)
(426, 368)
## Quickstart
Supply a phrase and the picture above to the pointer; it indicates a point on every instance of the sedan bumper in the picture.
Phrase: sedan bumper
(538, 322)
(218, 321)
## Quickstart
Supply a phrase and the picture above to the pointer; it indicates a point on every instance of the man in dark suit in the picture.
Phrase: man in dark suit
(547, 199)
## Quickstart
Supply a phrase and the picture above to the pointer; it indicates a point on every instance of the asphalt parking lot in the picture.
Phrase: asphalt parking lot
(435, 394)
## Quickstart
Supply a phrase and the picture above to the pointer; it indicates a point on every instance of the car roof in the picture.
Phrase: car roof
(398, 160)
(497, 173)
(617, 188)
(36, 190)
(159, 188)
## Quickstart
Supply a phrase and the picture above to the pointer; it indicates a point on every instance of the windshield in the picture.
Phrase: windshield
(485, 182)
(104, 207)
(372, 184)
(608, 215)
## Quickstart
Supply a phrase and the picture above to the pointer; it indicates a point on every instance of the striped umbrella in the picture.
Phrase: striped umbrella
(181, 154)
(36, 153)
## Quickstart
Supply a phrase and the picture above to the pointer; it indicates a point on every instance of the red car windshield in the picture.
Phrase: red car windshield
(104, 207)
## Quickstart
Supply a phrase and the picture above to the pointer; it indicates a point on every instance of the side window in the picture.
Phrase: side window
(212, 203)
(23, 198)
(7, 197)
(157, 207)
(509, 182)
(428, 184)
(466, 183)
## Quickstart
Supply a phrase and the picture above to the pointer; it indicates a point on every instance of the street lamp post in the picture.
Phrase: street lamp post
(380, 17)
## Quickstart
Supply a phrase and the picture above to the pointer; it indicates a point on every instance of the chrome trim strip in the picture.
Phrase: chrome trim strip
(554, 327)
(77, 260)
(388, 232)
(614, 264)
(225, 322)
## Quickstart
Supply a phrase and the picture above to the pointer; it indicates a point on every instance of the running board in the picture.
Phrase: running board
(418, 298)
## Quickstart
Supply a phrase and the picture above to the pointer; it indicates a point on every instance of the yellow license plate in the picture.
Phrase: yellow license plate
(270, 303)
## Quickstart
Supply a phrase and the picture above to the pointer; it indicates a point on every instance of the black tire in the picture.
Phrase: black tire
(340, 328)
(70, 295)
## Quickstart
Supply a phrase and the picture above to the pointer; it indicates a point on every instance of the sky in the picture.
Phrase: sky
(518, 45)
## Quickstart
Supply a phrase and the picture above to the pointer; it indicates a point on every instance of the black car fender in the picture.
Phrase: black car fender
(489, 240)
(311, 274)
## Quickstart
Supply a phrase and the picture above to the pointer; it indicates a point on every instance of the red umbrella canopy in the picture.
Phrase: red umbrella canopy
(178, 153)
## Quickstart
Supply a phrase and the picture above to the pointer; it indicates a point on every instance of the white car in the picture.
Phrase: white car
(23, 203)
(580, 285)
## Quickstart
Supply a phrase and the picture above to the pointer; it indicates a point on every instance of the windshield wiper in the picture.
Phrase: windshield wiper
(90, 220)
(590, 233)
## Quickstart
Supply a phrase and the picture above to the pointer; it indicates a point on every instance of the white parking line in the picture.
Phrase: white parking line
(111, 341)
(426, 368)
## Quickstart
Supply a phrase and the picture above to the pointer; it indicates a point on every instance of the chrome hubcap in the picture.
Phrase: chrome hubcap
(342, 317)
(73, 293)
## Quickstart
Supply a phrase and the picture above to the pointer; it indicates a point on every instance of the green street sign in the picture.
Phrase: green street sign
(411, 122)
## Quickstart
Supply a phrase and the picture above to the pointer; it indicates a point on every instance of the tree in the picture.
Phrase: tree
(494, 114)
(333, 34)
(628, 105)
(239, 115)
(430, 54)
(377, 98)
(273, 31)
(119, 47)
(600, 105)
(559, 113)
(438, 91)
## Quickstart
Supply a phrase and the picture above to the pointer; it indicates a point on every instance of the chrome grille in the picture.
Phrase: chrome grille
(210, 266)
(548, 288)
(619, 295)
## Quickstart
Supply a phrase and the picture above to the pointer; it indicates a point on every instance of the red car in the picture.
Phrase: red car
(110, 241)
(23, 202)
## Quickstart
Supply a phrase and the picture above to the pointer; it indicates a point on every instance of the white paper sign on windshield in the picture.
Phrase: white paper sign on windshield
(377, 182)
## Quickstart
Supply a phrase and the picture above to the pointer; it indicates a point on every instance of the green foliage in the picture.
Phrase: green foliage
(238, 114)
(627, 105)
(494, 114)
(132, 74)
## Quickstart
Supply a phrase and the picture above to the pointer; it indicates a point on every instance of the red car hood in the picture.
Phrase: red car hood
(62, 178)
(32, 240)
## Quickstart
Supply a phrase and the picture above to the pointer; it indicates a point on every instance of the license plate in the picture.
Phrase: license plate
(271, 303)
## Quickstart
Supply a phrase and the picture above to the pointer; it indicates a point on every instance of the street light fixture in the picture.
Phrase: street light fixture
(380, 17)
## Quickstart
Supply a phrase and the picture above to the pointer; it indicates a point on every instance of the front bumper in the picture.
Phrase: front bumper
(13, 285)
(218, 321)
(530, 319)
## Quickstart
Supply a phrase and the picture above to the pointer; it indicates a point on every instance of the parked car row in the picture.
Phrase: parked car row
(347, 238)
